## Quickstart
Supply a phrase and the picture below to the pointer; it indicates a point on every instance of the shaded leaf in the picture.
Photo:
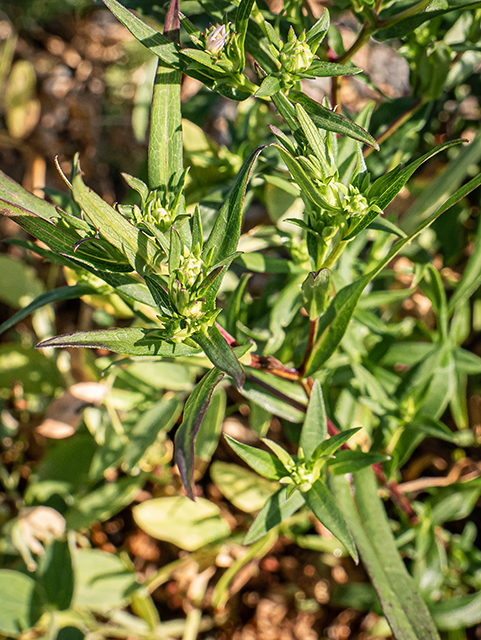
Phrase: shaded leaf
(404, 609)
(224, 237)
(194, 411)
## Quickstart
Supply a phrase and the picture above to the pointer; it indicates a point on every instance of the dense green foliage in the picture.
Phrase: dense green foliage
(342, 385)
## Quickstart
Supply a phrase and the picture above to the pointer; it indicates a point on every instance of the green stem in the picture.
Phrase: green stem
(394, 126)
(408, 13)
(335, 253)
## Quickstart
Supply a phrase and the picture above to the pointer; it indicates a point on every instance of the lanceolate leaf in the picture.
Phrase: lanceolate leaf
(404, 609)
(331, 121)
(130, 341)
(263, 462)
(13, 192)
(339, 312)
(320, 69)
(314, 430)
(386, 188)
(269, 86)
(278, 508)
(324, 507)
(403, 27)
(299, 175)
(225, 234)
(93, 253)
(165, 141)
(195, 409)
(146, 35)
(62, 293)
(135, 245)
(220, 354)
(241, 24)
(470, 281)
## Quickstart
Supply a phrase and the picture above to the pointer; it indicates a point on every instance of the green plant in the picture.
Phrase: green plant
(167, 260)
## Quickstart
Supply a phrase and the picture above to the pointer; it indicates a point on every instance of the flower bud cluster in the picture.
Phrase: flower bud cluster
(295, 55)
(189, 283)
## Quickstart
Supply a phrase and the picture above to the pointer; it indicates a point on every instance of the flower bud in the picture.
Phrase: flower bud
(216, 39)
(190, 269)
(159, 215)
(296, 54)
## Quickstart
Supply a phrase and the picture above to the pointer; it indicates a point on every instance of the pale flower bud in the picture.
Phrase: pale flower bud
(216, 40)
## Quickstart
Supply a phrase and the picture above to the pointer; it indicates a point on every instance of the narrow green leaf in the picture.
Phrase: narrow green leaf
(314, 430)
(331, 121)
(320, 69)
(313, 138)
(352, 461)
(234, 305)
(299, 175)
(383, 224)
(471, 279)
(165, 142)
(206, 61)
(457, 613)
(97, 253)
(158, 290)
(403, 27)
(224, 237)
(286, 460)
(339, 312)
(62, 293)
(263, 462)
(11, 191)
(330, 446)
(220, 354)
(135, 245)
(386, 188)
(137, 185)
(146, 35)
(318, 31)
(269, 86)
(194, 411)
(404, 609)
(241, 25)
(432, 286)
(130, 341)
(277, 509)
(319, 499)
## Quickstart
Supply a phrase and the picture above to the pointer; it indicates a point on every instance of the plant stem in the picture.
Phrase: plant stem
(361, 39)
(335, 253)
(408, 13)
(277, 394)
(310, 343)
(394, 126)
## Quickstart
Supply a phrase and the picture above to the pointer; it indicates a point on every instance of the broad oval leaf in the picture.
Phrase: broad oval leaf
(187, 524)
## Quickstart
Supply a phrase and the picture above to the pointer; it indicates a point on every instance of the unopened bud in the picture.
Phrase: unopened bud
(296, 54)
